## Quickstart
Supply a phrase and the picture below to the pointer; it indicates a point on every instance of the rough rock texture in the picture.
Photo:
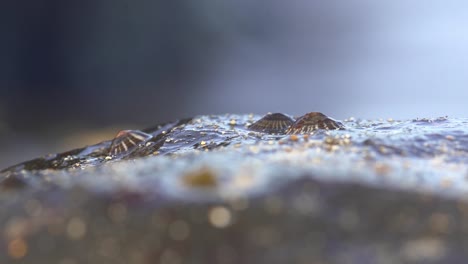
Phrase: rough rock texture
(208, 190)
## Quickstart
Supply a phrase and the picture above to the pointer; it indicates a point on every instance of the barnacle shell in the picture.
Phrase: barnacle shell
(127, 141)
(276, 123)
(313, 121)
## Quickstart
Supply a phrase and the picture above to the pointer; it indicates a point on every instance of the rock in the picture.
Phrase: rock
(209, 190)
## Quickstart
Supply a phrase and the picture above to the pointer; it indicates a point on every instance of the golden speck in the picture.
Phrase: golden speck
(293, 138)
(219, 217)
(179, 230)
(156, 153)
(243, 181)
(203, 143)
(383, 150)
(424, 250)
(203, 177)
(446, 183)
(305, 137)
(288, 149)
(316, 160)
(76, 228)
(331, 141)
(17, 248)
(254, 149)
(382, 169)
(108, 158)
(233, 122)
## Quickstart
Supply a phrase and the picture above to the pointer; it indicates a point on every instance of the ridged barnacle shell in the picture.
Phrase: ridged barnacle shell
(275, 123)
(127, 141)
(312, 122)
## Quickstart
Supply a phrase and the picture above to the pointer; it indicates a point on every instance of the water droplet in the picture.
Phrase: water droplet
(17, 248)
(219, 217)
(76, 228)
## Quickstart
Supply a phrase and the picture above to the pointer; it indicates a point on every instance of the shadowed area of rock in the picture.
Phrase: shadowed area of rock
(210, 190)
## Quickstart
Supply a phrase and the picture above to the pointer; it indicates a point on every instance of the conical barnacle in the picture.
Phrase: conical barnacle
(276, 123)
(127, 141)
(313, 121)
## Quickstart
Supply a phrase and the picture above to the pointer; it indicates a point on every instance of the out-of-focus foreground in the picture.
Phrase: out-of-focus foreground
(209, 190)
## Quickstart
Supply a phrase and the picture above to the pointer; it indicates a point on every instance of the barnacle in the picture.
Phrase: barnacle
(127, 141)
(313, 121)
(276, 123)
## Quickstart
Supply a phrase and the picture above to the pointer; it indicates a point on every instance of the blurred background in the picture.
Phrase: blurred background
(75, 72)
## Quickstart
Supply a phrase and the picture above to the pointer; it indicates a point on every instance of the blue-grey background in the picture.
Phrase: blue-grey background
(75, 72)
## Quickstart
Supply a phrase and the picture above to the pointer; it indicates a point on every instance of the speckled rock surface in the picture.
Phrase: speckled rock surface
(209, 190)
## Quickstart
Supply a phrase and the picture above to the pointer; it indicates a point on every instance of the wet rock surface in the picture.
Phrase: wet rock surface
(211, 190)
